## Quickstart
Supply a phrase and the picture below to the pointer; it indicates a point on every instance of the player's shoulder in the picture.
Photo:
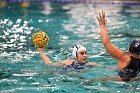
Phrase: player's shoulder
(67, 61)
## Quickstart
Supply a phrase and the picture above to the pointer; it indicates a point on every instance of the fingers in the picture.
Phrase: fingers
(98, 19)
(101, 16)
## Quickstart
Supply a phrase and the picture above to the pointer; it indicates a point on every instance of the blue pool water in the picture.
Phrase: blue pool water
(21, 68)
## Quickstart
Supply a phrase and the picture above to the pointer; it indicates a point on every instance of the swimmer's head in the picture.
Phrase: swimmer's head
(76, 49)
(134, 46)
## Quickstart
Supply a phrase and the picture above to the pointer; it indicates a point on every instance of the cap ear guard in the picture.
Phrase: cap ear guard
(74, 51)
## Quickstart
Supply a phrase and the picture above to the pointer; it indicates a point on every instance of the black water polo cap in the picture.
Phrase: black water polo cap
(134, 46)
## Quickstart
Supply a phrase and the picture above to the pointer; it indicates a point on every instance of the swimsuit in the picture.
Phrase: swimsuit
(131, 70)
(77, 66)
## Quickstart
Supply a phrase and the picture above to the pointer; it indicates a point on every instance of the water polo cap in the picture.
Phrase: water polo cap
(76, 49)
(134, 46)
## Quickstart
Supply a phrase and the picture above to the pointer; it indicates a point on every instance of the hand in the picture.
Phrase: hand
(40, 49)
(101, 19)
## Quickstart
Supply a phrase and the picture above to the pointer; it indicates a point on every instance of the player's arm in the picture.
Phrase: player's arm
(46, 60)
(93, 64)
(112, 49)
(44, 57)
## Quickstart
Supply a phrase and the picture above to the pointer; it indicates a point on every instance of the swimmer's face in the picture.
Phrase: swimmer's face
(82, 56)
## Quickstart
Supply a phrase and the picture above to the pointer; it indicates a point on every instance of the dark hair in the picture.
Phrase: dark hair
(134, 46)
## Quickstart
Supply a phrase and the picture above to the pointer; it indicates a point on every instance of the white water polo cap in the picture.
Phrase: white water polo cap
(76, 49)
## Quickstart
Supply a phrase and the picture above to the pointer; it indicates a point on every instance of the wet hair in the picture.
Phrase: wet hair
(134, 46)
(76, 49)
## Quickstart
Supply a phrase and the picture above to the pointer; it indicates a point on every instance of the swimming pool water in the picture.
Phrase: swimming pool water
(21, 68)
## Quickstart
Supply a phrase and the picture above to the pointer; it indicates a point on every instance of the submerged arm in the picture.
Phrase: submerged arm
(94, 64)
(102, 79)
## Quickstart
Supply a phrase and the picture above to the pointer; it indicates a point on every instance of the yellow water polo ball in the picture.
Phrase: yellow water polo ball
(40, 39)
